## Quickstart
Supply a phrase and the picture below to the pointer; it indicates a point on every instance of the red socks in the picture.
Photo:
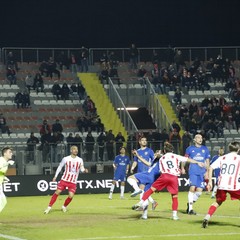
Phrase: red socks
(67, 201)
(174, 203)
(212, 210)
(53, 199)
(147, 194)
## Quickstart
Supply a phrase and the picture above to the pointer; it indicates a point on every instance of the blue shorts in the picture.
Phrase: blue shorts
(197, 181)
(119, 177)
(146, 179)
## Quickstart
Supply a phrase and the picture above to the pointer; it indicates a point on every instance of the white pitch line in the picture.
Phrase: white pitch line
(10, 237)
(158, 236)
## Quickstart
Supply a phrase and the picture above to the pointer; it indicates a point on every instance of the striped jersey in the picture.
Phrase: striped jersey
(229, 165)
(169, 163)
(72, 168)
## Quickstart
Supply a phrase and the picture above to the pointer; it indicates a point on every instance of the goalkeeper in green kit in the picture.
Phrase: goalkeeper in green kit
(5, 161)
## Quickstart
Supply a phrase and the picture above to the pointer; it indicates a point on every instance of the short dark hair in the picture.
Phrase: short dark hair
(168, 147)
(234, 146)
(5, 149)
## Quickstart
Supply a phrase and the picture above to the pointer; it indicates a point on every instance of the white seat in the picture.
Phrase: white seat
(184, 101)
(214, 92)
(6, 86)
(11, 94)
(2, 102)
(138, 85)
(53, 102)
(45, 102)
(37, 102)
(14, 87)
(192, 93)
(9, 102)
(3, 94)
(171, 93)
(233, 131)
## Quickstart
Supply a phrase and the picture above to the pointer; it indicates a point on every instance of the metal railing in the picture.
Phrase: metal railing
(122, 54)
(120, 108)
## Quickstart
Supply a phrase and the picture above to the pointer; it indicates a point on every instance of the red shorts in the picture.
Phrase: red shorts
(221, 195)
(62, 185)
(167, 181)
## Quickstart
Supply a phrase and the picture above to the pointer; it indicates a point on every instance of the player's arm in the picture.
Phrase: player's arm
(59, 169)
(133, 166)
(127, 169)
(142, 159)
(207, 165)
(200, 164)
(210, 173)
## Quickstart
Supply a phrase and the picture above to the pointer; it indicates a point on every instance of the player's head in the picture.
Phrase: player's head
(198, 139)
(168, 147)
(143, 141)
(221, 151)
(122, 150)
(7, 153)
(74, 150)
(234, 147)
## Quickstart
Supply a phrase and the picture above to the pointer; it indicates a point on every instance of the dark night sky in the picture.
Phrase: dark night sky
(104, 23)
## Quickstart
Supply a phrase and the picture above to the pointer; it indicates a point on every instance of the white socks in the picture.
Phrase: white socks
(133, 183)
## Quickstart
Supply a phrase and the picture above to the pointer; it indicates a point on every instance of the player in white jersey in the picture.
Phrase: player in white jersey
(169, 166)
(228, 180)
(5, 161)
(73, 165)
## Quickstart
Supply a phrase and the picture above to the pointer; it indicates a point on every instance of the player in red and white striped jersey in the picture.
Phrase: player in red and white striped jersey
(169, 166)
(228, 180)
(73, 165)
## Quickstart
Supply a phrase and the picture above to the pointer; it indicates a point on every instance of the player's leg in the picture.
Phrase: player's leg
(111, 189)
(220, 198)
(193, 184)
(150, 199)
(3, 200)
(71, 193)
(133, 181)
(53, 200)
(122, 189)
(172, 187)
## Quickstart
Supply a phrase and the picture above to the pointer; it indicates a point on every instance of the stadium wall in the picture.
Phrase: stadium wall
(40, 185)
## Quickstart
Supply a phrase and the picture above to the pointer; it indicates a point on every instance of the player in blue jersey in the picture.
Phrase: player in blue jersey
(197, 174)
(143, 160)
(146, 153)
(121, 167)
(216, 171)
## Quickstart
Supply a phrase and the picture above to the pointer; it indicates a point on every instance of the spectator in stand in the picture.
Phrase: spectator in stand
(62, 61)
(11, 75)
(81, 124)
(104, 75)
(104, 61)
(45, 128)
(236, 118)
(119, 140)
(84, 59)
(31, 148)
(155, 58)
(45, 144)
(141, 74)
(3, 125)
(38, 82)
(73, 62)
(65, 91)
(57, 90)
(26, 100)
(52, 68)
(19, 99)
(110, 138)
(176, 126)
(133, 56)
(210, 129)
(79, 143)
(175, 140)
(131, 143)
(178, 60)
(81, 91)
(70, 141)
(186, 141)
(57, 126)
(164, 137)
(177, 98)
(11, 61)
(113, 61)
(89, 146)
(74, 90)
(29, 82)
(44, 68)
(101, 141)
(55, 140)
(88, 106)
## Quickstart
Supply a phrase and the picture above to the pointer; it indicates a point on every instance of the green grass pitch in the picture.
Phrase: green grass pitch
(94, 216)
